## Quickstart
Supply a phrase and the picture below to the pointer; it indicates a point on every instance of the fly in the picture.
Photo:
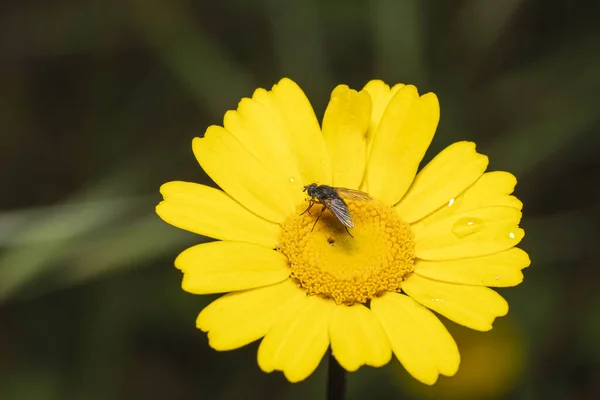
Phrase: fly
(332, 198)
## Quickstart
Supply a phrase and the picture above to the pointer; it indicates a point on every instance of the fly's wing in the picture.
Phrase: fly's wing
(352, 194)
(340, 210)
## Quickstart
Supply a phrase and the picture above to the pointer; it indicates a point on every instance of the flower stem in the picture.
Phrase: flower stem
(336, 380)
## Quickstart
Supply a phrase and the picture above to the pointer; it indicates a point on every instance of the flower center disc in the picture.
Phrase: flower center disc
(331, 263)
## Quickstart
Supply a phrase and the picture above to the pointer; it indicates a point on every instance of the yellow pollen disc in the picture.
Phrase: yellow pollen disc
(331, 263)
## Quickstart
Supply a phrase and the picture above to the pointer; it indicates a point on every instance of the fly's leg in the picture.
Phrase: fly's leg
(345, 227)
(312, 203)
(322, 211)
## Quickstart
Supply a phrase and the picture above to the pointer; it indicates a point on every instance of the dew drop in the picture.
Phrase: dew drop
(323, 161)
(511, 235)
(454, 202)
(292, 180)
(466, 226)
(496, 277)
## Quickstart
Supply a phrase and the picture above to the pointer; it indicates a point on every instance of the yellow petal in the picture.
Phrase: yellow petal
(419, 340)
(253, 184)
(211, 212)
(306, 138)
(381, 94)
(261, 129)
(500, 270)
(402, 137)
(473, 233)
(219, 267)
(491, 189)
(345, 127)
(280, 129)
(450, 172)
(297, 342)
(357, 338)
(239, 318)
(475, 307)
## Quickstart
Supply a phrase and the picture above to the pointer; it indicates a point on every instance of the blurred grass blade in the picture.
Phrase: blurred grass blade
(134, 244)
(298, 37)
(399, 44)
(483, 22)
(549, 114)
(60, 222)
(212, 77)
(40, 238)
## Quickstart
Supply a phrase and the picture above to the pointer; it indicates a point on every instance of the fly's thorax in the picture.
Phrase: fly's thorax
(324, 192)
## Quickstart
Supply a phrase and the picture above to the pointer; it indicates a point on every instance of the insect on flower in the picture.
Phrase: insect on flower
(332, 198)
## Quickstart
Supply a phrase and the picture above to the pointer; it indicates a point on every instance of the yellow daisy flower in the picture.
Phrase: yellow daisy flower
(432, 240)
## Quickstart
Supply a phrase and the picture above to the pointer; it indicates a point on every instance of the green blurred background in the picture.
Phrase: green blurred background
(99, 101)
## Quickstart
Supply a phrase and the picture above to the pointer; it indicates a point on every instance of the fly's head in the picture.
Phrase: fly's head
(310, 189)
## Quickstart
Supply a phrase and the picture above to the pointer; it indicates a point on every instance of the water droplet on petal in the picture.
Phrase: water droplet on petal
(496, 277)
(292, 180)
(323, 161)
(511, 235)
(466, 226)
(451, 202)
